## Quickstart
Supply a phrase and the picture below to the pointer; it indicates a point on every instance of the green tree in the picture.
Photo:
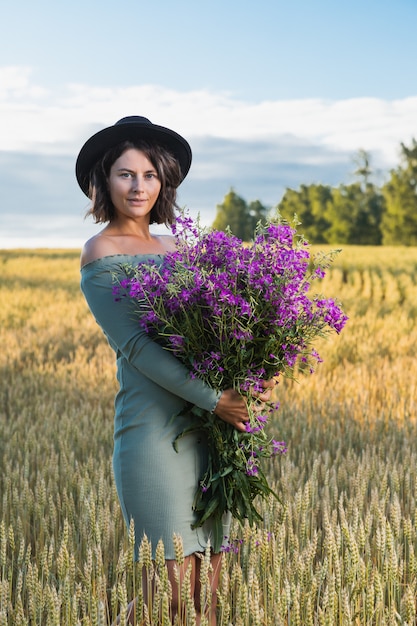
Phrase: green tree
(355, 215)
(344, 214)
(341, 213)
(399, 223)
(364, 170)
(355, 211)
(369, 206)
(240, 217)
(310, 203)
(257, 212)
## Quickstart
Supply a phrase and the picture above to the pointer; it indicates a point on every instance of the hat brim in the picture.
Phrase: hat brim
(95, 147)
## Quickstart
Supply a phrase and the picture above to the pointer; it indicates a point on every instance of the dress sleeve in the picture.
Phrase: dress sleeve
(128, 339)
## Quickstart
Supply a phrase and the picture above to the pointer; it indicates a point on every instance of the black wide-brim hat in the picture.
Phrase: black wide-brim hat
(130, 128)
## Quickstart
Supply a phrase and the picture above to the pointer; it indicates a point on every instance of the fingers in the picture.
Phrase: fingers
(237, 422)
(258, 406)
(268, 384)
(265, 396)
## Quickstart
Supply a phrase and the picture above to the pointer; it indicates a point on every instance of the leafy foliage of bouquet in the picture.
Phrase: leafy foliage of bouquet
(235, 314)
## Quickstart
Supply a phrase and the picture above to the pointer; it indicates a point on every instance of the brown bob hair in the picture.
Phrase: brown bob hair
(169, 173)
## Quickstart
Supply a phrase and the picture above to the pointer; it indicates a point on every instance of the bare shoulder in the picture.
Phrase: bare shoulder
(97, 247)
(107, 243)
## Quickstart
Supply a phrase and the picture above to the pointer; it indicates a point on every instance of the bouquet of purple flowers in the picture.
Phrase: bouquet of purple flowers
(234, 314)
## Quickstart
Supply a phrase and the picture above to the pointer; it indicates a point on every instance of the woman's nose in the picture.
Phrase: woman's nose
(137, 184)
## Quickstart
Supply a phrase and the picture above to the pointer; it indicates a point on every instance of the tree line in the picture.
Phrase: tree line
(360, 213)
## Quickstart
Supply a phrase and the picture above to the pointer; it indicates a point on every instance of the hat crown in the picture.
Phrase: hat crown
(134, 119)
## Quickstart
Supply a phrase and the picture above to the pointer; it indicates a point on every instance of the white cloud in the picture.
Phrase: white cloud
(33, 119)
(15, 84)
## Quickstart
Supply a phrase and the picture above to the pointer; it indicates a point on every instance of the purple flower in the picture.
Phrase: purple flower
(177, 341)
(332, 314)
(279, 447)
(252, 468)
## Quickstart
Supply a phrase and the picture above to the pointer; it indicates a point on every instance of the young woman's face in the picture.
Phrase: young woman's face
(134, 185)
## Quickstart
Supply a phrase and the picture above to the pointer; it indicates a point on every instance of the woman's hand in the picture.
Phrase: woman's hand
(232, 408)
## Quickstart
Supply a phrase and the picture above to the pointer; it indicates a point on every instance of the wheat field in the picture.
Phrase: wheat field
(340, 548)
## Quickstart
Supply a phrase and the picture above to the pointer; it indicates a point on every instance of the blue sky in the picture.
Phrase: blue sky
(270, 94)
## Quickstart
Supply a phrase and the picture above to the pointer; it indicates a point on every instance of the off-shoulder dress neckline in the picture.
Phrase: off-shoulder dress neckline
(110, 257)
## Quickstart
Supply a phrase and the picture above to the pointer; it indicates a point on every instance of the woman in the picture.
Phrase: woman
(131, 172)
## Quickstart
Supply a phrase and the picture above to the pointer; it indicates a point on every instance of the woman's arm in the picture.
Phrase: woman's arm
(127, 338)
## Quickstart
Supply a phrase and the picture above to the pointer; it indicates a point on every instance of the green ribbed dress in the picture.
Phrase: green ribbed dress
(155, 484)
